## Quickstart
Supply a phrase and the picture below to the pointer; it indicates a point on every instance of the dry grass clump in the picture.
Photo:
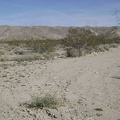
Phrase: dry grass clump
(48, 101)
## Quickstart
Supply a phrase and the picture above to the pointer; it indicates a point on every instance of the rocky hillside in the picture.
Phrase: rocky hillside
(44, 32)
(32, 32)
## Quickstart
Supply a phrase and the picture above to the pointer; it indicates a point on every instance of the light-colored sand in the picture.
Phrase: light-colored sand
(84, 84)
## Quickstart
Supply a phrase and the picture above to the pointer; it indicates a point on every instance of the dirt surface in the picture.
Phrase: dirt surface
(89, 87)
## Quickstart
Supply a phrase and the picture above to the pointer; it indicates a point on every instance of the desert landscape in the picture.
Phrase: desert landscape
(60, 60)
(50, 85)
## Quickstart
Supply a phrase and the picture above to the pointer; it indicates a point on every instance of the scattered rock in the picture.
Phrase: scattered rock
(89, 118)
(98, 114)
(52, 113)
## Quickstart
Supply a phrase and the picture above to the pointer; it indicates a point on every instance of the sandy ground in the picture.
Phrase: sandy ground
(89, 86)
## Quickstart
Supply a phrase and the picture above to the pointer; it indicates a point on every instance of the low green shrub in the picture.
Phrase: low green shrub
(47, 101)
(37, 46)
(72, 52)
(82, 40)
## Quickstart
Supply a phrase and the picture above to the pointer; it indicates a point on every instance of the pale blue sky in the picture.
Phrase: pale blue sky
(58, 12)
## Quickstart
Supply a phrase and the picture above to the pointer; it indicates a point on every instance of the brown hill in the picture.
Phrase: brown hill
(44, 32)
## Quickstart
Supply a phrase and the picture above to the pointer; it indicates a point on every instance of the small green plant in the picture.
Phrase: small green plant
(98, 109)
(47, 101)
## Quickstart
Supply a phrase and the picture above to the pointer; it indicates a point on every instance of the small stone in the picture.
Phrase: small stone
(90, 118)
(98, 115)
(52, 113)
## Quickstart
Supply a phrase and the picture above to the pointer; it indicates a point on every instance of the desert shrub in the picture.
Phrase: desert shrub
(79, 39)
(49, 56)
(107, 47)
(47, 101)
(113, 45)
(38, 46)
(26, 49)
(100, 48)
(83, 41)
(72, 52)
(77, 42)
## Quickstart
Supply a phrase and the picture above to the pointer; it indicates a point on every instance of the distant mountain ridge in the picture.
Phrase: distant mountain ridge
(45, 32)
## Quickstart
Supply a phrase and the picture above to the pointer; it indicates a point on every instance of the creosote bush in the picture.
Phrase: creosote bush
(72, 52)
(25, 49)
(78, 42)
(37, 46)
(47, 101)
(83, 40)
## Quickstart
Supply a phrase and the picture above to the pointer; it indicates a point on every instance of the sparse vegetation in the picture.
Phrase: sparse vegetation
(78, 42)
(98, 109)
(47, 101)
(72, 52)
(39, 46)
(76, 39)
(82, 40)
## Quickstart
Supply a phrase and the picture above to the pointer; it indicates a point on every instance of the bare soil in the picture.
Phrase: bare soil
(89, 87)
